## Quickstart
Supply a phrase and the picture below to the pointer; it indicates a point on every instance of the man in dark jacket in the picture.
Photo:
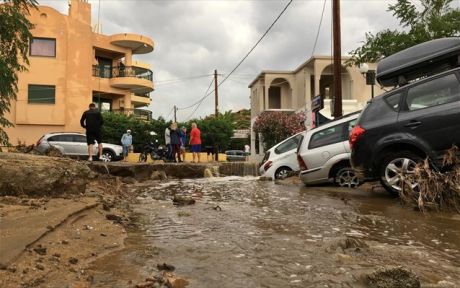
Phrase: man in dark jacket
(92, 121)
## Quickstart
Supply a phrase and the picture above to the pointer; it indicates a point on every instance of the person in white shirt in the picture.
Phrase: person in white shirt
(247, 151)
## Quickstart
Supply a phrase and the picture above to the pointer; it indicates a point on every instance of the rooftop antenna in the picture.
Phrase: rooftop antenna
(98, 25)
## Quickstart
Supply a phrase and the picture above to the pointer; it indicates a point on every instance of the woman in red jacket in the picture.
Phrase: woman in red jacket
(195, 142)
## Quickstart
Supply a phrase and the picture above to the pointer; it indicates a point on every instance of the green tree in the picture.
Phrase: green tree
(434, 19)
(221, 130)
(15, 37)
(117, 124)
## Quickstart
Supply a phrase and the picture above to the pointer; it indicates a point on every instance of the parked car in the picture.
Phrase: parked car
(324, 154)
(279, 160)
(235, 155)
(74, 144)
(417, 120)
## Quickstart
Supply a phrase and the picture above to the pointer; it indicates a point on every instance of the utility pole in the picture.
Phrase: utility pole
(216, 94)
(337, 59)
(175, 113)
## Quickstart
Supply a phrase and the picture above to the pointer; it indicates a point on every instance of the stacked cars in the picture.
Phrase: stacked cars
(418, 118)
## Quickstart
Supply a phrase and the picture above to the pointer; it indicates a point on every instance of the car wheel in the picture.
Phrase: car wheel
(282, 172)
(107, 156)
(346, 177)
(395, 168)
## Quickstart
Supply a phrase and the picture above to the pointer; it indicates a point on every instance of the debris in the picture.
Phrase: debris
(103, 235)
(165, 267)
(40, 250)
(114, 218)
(179, 200)
(217, 208)
(40, 267)
(396, 277)
(73, 260)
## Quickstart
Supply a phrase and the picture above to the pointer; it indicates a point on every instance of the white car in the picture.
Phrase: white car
(74, 144)
(281, 158)
(324, 154)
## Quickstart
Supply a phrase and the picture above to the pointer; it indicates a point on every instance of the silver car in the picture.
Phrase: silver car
(324, 154)
(74, 144)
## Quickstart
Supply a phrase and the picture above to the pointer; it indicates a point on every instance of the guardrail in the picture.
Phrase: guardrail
(122, 71)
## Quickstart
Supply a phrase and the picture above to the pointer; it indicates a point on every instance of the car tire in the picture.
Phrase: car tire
(282, 172)
(142, 157)
(393, 168)
(108, 156)
(346, 177)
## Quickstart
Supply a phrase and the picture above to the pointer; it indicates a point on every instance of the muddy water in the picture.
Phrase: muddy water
(246, 233)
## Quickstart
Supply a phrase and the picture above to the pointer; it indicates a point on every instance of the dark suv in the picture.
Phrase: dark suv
(419, 119)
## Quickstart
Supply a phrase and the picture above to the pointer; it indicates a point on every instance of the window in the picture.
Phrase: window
(61, 138)
(288, 145)
(79, 138)
(393, 101)
(435, 92)
(42, 94)
(43, 47)
(331, 135)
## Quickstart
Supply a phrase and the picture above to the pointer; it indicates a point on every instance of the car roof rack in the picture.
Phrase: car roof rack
(420, 61)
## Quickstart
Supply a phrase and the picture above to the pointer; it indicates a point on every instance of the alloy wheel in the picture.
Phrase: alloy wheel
(396, 173)
(347, 178)
(282, 174)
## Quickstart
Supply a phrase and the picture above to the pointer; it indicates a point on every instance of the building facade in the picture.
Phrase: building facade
(72, 66)
(292, 91)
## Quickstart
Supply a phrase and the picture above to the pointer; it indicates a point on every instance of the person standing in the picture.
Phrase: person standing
(183, 141)
(175, 142)
(195, 142)
(247, 151)
(126, 142)
(92, 121)
(168, 142)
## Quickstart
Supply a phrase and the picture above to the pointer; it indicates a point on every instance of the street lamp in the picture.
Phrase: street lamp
(369, 75)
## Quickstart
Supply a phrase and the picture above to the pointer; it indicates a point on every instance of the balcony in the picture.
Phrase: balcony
(138, 44)
(136, 79)
(138, 100)
(136, 113)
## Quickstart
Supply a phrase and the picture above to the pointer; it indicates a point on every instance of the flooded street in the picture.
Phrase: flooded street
(245, 233)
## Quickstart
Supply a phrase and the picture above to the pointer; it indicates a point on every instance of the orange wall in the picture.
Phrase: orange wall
(70, 71)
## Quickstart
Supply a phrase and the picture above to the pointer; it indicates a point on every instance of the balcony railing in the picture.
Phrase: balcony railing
(137, 113)
(121, 71)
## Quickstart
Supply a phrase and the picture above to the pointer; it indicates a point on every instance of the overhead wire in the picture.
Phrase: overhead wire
(319, 28)
(200, 101)
(202, 98)
(257, 43)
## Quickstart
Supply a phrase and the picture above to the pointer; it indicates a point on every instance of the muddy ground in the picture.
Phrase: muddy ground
(237, 232)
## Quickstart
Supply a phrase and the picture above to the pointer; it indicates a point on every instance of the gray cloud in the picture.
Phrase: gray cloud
(195, 37)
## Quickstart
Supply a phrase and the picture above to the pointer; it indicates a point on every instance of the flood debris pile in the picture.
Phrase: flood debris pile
(436, 190)
(165, 279)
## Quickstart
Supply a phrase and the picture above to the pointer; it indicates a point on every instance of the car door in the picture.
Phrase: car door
(62, 142)
(80, 146)
(431, 112)
(325, 144)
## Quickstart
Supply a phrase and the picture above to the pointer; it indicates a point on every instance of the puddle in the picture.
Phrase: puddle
(267, 235)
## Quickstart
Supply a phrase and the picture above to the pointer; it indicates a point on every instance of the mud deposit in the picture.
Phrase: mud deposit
(245, 233)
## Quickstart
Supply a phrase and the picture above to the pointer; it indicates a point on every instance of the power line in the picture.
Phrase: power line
(257, 43)
(206, 94)
(319, 28)
(200, 100)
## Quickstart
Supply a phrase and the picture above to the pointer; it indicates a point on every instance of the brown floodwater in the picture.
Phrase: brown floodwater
(267, 235)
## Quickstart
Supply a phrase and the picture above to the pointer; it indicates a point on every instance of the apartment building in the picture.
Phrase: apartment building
(71, 66)
(292, 91)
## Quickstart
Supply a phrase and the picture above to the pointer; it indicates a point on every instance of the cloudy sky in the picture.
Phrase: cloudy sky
(192, 38)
